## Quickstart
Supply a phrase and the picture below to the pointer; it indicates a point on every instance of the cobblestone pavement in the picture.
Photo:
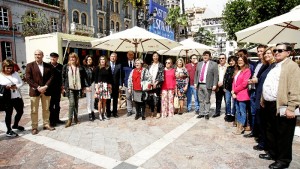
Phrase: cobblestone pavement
(178, 142)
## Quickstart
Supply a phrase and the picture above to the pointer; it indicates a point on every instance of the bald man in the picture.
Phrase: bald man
(39, 76)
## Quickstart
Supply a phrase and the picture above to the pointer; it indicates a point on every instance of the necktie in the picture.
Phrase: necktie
(130, 65)
(202, 72)
(112, 67)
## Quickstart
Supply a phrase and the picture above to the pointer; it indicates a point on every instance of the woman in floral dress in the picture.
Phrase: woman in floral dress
(103, 81)
(182, 81)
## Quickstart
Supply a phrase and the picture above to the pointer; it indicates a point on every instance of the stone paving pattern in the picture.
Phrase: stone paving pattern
(209, 144)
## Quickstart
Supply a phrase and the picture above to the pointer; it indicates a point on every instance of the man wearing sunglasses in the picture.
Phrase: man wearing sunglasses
(206, 81)
(222, 66)
(281, 88)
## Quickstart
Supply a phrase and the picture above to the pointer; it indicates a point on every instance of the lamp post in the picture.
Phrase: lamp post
(144, 17)
(14, 28)
(221, 42)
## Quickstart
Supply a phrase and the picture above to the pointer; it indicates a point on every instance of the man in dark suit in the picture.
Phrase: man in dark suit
(116, 85)
(127, 67)
(206, 81)
(39, 76)
(55, 89)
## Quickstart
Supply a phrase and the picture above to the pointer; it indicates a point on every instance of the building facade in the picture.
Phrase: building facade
(11, 12)
(97, 18)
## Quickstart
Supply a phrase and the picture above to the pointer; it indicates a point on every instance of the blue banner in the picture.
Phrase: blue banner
(159, 26)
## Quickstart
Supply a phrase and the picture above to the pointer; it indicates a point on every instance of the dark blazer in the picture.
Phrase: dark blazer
(57, 79)
(212, 74)
(126, 70)
(35, 79)
(228, 78)
(65, 79)
(117, 75)
(90, 74)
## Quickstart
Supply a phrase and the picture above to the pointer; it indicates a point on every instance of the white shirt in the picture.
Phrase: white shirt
(205, 71)
(222, 70)
(130, 62)
(12, 79)
(236, 76)
(153, 71)
(270, 86)
(41, 67)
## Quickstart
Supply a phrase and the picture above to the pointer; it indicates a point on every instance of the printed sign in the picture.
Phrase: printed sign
(159, 26)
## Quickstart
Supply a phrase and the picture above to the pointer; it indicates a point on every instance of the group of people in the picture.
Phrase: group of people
(251, 92)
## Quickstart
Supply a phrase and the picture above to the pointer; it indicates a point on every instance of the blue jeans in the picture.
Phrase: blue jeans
(241, 112)
(190, 92)
(252, 108)
(230, 110)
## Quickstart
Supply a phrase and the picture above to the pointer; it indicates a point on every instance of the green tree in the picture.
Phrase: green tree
(35, 23)
(205, 37)
(175, 20)
(134, 3)
(236, 16)
(240, 14)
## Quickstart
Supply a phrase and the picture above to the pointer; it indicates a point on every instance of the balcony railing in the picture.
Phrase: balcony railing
(127, 18)
(101, 9)
(77, 28)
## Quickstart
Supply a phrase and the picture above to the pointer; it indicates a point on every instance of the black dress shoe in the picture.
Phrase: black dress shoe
(250, 135)
(136, 117)
(200, 116)
(60, 122)
(115, 116)
(258, 148)
(206, 117)
(129, 113)
(143, 118)
(265, 156)
(216, 115)
(278, 165)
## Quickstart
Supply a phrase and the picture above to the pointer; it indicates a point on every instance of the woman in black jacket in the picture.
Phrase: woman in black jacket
(74, 81)
(90, 90)
(227, 83)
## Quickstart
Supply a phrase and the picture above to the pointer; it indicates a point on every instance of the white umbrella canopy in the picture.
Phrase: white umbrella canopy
(135, 39)
(189, 47)
(283, 28)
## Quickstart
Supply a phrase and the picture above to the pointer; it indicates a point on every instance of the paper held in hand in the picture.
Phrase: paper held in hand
(282, 110)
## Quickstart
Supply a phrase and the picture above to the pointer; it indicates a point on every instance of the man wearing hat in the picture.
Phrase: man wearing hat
(55, 90)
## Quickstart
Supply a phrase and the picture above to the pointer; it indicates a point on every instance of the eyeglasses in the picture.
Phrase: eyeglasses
(168, 62)
(279, 50)
(221, 58)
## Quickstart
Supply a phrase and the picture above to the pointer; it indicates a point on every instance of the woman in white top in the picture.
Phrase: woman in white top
(156, 70)
(11, 81)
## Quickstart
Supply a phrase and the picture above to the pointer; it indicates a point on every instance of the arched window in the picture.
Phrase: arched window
(75, 17)
(117, 26)
(112, 25)
(83, 19)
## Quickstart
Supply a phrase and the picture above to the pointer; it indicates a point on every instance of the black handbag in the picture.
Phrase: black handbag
(4, 96)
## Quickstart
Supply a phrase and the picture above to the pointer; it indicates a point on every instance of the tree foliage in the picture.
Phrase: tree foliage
(35, 23)
(134, 3)
(174, 19)
(205, 37)
(240, 14)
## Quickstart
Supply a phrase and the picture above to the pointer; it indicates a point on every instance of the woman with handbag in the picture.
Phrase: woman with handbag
(103, 81)
(73, 81)
(139, 81)
(156, 70)
(10, 82)
(168, 89)
(182, 81)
